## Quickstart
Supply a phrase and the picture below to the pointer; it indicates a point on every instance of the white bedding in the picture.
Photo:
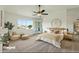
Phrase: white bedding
(52, 38)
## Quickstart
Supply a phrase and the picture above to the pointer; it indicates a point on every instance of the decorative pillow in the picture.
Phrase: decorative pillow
(57, 32)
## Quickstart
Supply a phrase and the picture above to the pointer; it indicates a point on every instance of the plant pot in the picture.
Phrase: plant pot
(6, 44)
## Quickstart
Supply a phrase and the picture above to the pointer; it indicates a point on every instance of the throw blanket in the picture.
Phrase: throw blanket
(52, 38)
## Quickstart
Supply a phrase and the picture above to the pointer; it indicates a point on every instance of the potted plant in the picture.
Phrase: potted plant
(5, 39)
(9, 26)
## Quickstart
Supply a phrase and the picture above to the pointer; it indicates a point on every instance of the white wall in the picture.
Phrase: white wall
(13, 19)
(48, 20)
(72, 15)
(67, 18)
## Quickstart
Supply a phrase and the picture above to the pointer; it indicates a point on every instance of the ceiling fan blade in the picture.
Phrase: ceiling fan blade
(35, 12)
(44, 13)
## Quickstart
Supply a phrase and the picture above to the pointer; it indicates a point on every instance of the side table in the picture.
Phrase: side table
(76, 37)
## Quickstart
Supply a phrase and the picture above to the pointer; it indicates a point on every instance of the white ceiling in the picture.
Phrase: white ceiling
(27, 10)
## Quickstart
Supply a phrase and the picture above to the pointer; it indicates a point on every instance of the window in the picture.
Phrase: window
(24, 23)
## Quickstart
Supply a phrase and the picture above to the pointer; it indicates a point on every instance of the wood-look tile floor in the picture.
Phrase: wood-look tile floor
(31, 45)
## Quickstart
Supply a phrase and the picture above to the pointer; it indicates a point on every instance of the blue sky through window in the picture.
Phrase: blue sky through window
(24, 22)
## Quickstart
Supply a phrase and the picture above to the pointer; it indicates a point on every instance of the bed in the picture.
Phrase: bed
(51, 38)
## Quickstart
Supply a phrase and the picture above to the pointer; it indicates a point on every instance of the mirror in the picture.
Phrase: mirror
(56, 23)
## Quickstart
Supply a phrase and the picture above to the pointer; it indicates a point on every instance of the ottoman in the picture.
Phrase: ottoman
(24, 37)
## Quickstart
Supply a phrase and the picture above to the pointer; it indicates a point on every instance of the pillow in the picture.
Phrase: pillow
(70, 33)
(57, 32)
(65, 33)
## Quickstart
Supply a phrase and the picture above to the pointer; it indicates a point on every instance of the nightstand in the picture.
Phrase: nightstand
(76, 37)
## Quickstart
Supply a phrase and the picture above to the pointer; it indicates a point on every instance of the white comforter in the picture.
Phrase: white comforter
(52, 38)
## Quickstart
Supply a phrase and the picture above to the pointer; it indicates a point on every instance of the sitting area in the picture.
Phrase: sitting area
(16, 36)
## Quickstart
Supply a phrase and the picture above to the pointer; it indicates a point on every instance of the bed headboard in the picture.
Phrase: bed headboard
(58, 30)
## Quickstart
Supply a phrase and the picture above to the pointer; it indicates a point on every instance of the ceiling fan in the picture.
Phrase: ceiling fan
(40, 12)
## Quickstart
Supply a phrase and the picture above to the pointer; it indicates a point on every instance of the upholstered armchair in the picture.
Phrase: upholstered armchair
(14, 36)
(24, 37)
